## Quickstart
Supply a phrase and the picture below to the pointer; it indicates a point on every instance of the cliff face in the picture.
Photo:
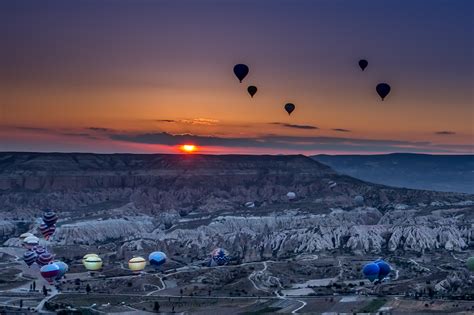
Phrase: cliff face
(187, 205)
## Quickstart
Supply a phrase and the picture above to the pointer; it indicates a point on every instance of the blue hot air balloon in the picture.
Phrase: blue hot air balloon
(219, 256)
(384, 269)
(157, 259)
(30, 257)
(63, 268)
(49, 272)
(371, 271)
(241, 71)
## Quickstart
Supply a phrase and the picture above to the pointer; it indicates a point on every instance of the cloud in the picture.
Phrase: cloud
(200, 121)
(445, 132)
(80, 135)
(36, 129)
(166, 120)
(191, 121)
(297, 143)
(341, 130)
(309, 127)
(99, 129)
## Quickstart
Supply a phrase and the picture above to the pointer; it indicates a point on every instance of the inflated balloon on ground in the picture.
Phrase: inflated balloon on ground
(137, 264)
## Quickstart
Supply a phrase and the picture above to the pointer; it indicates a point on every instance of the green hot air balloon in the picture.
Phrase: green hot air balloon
(470, 263)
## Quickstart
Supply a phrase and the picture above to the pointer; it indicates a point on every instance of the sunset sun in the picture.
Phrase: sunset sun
(188, 148)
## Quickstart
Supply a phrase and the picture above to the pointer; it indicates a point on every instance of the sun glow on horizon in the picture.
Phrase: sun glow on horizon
(188, 148)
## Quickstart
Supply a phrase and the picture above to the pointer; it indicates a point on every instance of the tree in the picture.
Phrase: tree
(45, 291)
(21, 303)
(34, 285)
(88, 288)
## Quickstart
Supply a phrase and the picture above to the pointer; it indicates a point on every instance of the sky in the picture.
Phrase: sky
(148, 76)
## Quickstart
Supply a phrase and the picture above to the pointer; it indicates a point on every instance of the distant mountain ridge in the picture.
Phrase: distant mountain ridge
(454, 173)
(155, 183)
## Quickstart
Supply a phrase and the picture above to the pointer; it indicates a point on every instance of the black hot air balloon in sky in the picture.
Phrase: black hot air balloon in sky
(363, 64)
(289, 107)
(383, 89)
(252, 90)
(241, 71)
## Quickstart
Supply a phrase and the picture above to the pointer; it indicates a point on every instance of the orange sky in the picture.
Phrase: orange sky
(154, 76)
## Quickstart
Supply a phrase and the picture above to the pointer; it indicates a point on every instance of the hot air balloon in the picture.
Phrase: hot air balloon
(87, 256)
(44, 259)
(92, 263)
(219, 256)
(289, 107)
(363, 64)
(291, 195)
(49, 217)
(47, 230)
(38, 249)
(157, 259)
(50, 272)
(23, 236)
(383, 89)
(384, 269)
(63, 269)
(371, 271)
(241, 71)
(29, 257)
(137, 264)
(252, 90)
(31, 241)
(470, 263)
(359, 200)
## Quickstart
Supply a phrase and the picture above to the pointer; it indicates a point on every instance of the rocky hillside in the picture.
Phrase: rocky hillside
(85, 183)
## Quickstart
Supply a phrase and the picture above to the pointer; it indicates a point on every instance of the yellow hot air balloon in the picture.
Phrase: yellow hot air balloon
(92, 262)
(137, 264)
(87, 256)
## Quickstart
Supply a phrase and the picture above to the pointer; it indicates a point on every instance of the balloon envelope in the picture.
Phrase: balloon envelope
(291, 195)
(63, 268)
(29, 257)
(24, 236)
(363, 64)
(241, 71)
(31, 241)
(47, 230)
(157, 259)
(371, 271)
(359, 200)
(44, 259)
(220, 256)
(92, 263)
(49, 217)
(383, 89)
(252, 90)
(289, 107)
(38, 249)
(384, 269)
(49, 272)
(470, 263)
(137, 264)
